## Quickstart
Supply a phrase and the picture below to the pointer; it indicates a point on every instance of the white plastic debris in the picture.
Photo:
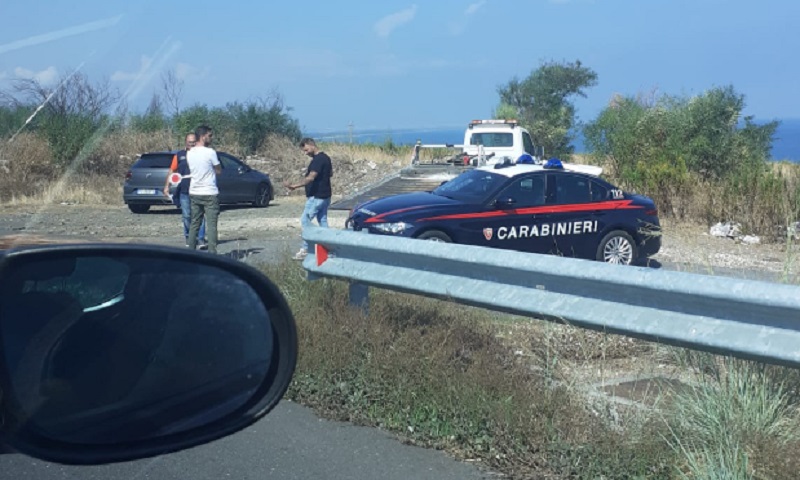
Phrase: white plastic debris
(727, 229)
(793, 230)
(751, 240)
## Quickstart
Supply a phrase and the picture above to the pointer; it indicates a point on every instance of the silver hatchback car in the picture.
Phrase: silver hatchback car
(238, 182)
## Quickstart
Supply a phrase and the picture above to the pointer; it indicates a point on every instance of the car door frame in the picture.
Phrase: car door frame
(575, 224)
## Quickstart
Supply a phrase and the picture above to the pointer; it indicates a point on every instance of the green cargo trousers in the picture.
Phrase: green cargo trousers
(208, 206)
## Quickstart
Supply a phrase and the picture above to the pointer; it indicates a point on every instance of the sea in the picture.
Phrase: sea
(785, 144)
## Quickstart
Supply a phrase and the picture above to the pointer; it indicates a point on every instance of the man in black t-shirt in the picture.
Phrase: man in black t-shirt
(317, 183)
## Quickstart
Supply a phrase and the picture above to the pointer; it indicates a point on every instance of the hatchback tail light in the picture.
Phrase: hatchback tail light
(653, 212)
(128, 175)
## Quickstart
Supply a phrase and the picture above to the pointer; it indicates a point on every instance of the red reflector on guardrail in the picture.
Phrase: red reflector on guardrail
(321, 253)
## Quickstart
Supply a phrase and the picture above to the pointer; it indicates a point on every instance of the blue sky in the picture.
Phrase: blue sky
(408, 64)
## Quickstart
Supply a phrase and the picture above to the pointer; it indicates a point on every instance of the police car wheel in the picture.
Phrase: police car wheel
(618, 248)
(435, 236)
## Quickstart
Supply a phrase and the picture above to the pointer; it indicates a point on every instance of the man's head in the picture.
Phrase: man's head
(309, 146)
(190, 140)
(204, 135)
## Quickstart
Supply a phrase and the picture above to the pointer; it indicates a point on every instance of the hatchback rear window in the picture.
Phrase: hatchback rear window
(154, 161)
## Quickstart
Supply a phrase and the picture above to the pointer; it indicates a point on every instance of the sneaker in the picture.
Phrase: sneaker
(301, 254)
(202, 245)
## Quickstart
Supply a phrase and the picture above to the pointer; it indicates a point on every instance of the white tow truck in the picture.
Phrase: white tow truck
(487, 142)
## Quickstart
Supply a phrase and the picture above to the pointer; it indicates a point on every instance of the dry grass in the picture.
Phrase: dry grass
(438, 375)
(354, 153)
(73, 189)
(29, 174)
(764, 203)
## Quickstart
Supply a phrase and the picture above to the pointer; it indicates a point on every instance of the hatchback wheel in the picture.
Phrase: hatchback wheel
(618, 248)
(138, 208)
(262, 196)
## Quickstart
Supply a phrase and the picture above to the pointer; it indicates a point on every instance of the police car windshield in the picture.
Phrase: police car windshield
(474, 185)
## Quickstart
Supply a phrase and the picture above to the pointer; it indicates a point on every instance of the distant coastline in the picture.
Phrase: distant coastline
(785, 145)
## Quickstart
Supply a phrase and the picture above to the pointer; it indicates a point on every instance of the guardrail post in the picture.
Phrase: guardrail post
(359, 296)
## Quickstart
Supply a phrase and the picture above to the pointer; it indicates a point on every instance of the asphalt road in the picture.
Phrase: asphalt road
(291, 443)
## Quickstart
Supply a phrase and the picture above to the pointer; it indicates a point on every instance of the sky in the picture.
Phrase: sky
(400, 64)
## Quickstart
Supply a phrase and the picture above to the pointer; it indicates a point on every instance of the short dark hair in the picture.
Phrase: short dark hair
(307, 141)
(201, 131)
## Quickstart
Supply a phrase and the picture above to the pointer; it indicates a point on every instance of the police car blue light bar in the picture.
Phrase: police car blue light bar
(554, 163)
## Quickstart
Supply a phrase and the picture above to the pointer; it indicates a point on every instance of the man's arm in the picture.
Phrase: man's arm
(308, 179)
(216, 164)
(172, 168)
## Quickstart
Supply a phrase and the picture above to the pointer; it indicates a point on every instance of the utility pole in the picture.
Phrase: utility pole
(350, 128)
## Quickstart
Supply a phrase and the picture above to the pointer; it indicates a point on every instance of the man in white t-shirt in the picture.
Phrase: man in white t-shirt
(204, 167)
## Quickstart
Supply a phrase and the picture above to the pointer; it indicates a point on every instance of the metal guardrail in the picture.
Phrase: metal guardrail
(743, 318)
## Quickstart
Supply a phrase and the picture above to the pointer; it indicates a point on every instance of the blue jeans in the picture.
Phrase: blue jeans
(315, 208)
(186, 214)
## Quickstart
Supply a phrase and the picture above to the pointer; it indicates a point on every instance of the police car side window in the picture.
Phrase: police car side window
(599, 192)
(528, 191)
(572, 189)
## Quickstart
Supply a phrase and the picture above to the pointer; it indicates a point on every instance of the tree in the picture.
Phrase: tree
(707, 132)
(13, 114)
(257, 118)
(542, 102)
(505, 111)
(70, 113)
(172, 89)
(153, 119)
(244, 123)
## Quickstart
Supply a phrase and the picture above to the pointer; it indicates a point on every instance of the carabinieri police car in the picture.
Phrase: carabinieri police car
(541, 208)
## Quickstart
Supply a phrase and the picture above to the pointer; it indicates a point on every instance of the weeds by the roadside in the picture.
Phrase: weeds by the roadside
(437, 375)
(738, 421)
(445, 376)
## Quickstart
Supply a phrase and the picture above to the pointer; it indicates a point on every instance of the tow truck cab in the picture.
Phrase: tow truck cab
(499, 139)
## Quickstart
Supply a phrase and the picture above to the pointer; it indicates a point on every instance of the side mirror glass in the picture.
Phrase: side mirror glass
(111, 353)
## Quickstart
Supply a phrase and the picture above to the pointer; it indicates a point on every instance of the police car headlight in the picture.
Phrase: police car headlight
(398, 227)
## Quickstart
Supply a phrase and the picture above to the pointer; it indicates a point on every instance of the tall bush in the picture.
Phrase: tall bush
(664, 148)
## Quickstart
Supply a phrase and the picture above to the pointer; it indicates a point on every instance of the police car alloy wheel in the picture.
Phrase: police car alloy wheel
(435, 236)
(618, 248)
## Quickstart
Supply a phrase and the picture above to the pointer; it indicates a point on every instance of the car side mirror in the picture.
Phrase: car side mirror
(112, 353)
